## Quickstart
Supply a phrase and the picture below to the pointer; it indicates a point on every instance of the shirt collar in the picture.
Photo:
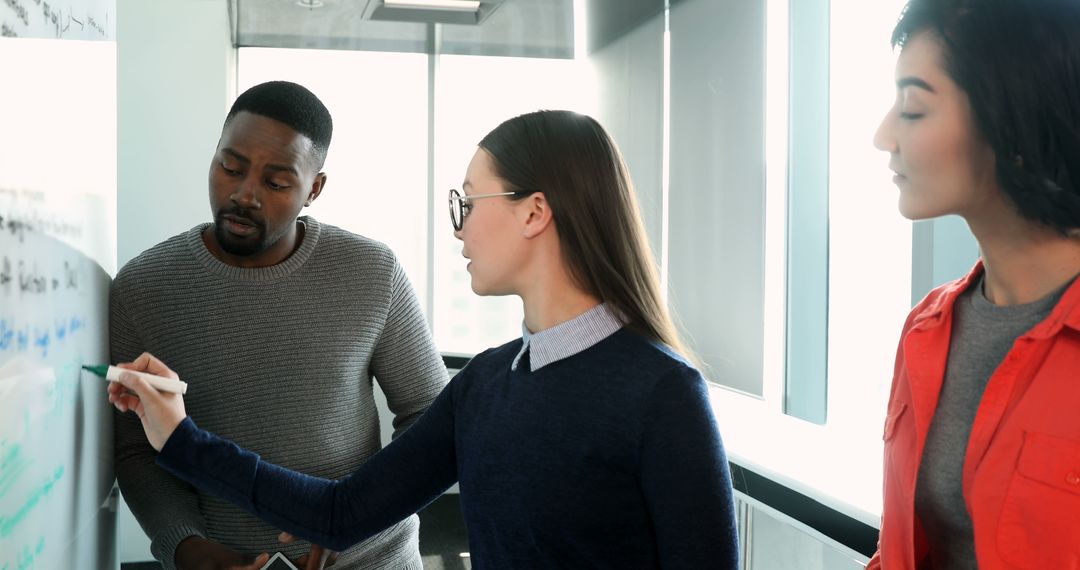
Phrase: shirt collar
(1066, 313)
(567, 339)
(940, 301)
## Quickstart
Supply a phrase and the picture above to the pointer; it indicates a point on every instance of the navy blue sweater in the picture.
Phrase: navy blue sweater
(610, 458)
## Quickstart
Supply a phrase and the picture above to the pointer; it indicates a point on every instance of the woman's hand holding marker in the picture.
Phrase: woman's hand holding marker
(159, 412)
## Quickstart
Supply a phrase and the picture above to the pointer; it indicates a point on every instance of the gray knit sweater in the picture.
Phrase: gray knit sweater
(279, 359)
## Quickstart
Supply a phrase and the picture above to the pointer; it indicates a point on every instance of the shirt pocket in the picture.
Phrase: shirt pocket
(899, 452)
(1040, 517)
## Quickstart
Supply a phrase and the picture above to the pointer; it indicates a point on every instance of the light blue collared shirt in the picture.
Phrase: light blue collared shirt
(567, 339)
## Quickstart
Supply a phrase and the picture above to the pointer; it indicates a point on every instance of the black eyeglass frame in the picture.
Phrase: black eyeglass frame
(460, 207)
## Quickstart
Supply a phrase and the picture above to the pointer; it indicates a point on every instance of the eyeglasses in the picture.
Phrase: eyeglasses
(460, 206)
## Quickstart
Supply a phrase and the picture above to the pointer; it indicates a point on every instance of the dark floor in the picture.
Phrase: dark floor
(443, 544)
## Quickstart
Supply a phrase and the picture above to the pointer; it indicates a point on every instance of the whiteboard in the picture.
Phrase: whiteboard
(57, 252)
(56, 460)
(58, 19)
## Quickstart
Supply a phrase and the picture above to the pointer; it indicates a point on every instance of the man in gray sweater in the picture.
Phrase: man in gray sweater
(278, 323)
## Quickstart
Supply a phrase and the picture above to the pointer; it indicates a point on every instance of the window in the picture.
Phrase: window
(377, 167)
(870, 253)
(868, 263)
(473, 95)
(789, 264)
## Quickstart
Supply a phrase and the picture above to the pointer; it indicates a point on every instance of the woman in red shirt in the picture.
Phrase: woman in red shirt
(982, 440)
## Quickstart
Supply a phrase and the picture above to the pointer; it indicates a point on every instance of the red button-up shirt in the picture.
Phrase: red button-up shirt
(1021, 475)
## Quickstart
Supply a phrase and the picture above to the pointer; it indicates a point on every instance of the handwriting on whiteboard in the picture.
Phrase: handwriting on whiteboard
(58, 19)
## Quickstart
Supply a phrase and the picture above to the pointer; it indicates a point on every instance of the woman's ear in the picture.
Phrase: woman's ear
(536, 215)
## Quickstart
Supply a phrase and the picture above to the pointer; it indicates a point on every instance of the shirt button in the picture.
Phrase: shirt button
(1072, 478)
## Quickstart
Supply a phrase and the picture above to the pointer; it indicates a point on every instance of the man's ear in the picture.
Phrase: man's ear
(536, 215)
(316, 188)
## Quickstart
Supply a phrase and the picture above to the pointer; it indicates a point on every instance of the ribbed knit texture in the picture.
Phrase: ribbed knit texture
(609, 458)
(279, 359)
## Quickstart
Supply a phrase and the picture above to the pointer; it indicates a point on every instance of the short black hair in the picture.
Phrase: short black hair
(1018, 61)
(293, 105)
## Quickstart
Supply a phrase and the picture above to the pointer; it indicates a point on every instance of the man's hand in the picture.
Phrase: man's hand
(316, 559)
(197, 553)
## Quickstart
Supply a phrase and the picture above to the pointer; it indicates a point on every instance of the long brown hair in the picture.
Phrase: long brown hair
(575, 163)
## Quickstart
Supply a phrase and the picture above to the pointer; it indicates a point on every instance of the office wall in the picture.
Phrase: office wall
(175, 81)
(175, 77)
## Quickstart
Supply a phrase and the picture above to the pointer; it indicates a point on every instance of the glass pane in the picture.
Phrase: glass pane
(778, 543)
(869, 241)
(717, 195)
(630, 93)
(808, 212)
(473, 95)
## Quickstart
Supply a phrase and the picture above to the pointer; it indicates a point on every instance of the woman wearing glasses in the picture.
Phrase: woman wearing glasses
(982, 444)
(587, 443)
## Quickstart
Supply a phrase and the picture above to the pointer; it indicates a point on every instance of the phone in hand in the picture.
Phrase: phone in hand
(279, 562)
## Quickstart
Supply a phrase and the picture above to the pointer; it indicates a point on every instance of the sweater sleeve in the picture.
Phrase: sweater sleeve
(166, 508)
(395, 483)
(405, 362)
(685, 477)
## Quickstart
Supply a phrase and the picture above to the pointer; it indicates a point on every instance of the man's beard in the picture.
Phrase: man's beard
(237, 245)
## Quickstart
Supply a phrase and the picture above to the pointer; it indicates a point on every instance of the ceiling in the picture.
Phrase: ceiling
(525, 28)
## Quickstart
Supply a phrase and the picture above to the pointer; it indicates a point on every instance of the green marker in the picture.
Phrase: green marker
(160, 383)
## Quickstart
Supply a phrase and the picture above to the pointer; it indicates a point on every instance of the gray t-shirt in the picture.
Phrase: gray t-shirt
(982, 335)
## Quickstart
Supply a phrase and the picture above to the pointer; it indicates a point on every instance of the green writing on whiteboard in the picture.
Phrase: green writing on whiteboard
(12, 464)
(9, 522)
